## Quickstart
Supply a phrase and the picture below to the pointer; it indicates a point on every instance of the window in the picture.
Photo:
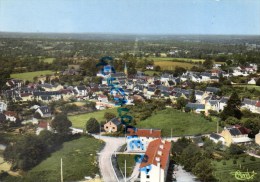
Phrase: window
(148, 176)
(114, 128)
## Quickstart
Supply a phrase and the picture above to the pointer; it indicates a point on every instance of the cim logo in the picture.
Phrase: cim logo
(243, 176)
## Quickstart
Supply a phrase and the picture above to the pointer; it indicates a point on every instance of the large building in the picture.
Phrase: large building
(155, 168)
(139, 139)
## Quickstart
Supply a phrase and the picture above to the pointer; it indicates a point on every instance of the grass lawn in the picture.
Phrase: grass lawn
(79, 121)
(169, 65)
(248, 86)
(180, 122)
(48, 60)
(79, 160)
(130, 163)
(150, 72)
(30, 75)
(222, 172)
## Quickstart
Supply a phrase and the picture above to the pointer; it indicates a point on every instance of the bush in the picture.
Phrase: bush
(252, 158)
(224, 163)
(234, 161)
(92, 126)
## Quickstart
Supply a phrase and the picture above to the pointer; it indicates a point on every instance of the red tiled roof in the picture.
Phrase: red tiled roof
(43, 124)
(102, 96)
(144, 132)
(10, 113)
(158, 152)
(25, 94)
(257, 103)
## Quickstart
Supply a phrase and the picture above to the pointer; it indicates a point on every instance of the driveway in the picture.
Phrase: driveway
(105, 164)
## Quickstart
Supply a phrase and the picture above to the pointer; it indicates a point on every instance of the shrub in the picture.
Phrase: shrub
(224, 163)
(252, 158)
(234, 161)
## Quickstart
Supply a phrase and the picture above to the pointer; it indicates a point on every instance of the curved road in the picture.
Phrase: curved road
(112, 144)
(105, 164)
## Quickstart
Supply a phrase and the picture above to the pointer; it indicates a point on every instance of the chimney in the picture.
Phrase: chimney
(159, 152)
(151, 131)
(161, 146)
(158, 159)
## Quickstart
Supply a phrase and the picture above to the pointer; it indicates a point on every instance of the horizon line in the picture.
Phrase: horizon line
(118, 33)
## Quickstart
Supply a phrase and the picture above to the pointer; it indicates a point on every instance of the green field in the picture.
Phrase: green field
(169, 65)
(175, 59)
(79, 121)
(248, 86)
(150, 72)
(130, 163)
(180, 122)
(30, 75)
(48, 60)
(222, 172)
(79, 160)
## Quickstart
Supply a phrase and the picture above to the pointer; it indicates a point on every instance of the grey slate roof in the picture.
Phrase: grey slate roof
(116, 121)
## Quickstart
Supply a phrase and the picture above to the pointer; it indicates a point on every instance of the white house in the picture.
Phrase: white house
(217, 138)
(155, 168)
(11, 115)
(102, 98)
(252, 81)
(44, 111)
(138, 139)
(43, 125)
(3, 106)
(81, 90)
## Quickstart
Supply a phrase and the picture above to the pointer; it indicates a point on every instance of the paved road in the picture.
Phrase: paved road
(105, 165)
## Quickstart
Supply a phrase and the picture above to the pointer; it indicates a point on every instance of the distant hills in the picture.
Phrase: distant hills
(233, 39)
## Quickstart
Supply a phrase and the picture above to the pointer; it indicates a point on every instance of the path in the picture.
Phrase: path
(105, 164)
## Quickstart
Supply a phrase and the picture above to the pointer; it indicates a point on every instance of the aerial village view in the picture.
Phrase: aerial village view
(129, 91)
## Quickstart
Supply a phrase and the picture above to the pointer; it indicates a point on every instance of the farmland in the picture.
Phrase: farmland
(48, 60)
(180, 122)
(30, 75)
(191, 60)
(169, 65)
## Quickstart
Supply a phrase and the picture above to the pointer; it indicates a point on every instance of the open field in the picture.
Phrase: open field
(48, 60)
(169, 65)
(248, 86)
(180, 122)
(79, 160)
(175, 59)
(30, 75)
(151, 72)
(79, 121)
(130, 163)
(222, 172)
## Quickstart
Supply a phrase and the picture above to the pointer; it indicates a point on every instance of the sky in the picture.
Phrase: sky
(239, 17)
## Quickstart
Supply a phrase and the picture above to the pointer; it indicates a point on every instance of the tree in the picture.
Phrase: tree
(61, 124)
(258, 82)
(232, 108)
(181, 102)
(108, 116)
(231, 120)
(208, 64)
(179, 71)
(204, 170)
(157, 68)
(235, 149)
(92, 126)
(192, 97)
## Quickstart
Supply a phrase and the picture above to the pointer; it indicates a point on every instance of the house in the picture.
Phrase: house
(252, 81)
(217, 138)
(257, 138)
(252, 105)
(211, 105)
(156, 166)
(11, 116)
(198, 141)
(43, 125)
(113, 125)
(102, 98)
(149, 67)
(3, 107)
(44, 111)
(236, 134)
(222, 103)
(81, 90)
(212, 90)
(46, 96)
(138, 139)
(50, 87)
(196, 107)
